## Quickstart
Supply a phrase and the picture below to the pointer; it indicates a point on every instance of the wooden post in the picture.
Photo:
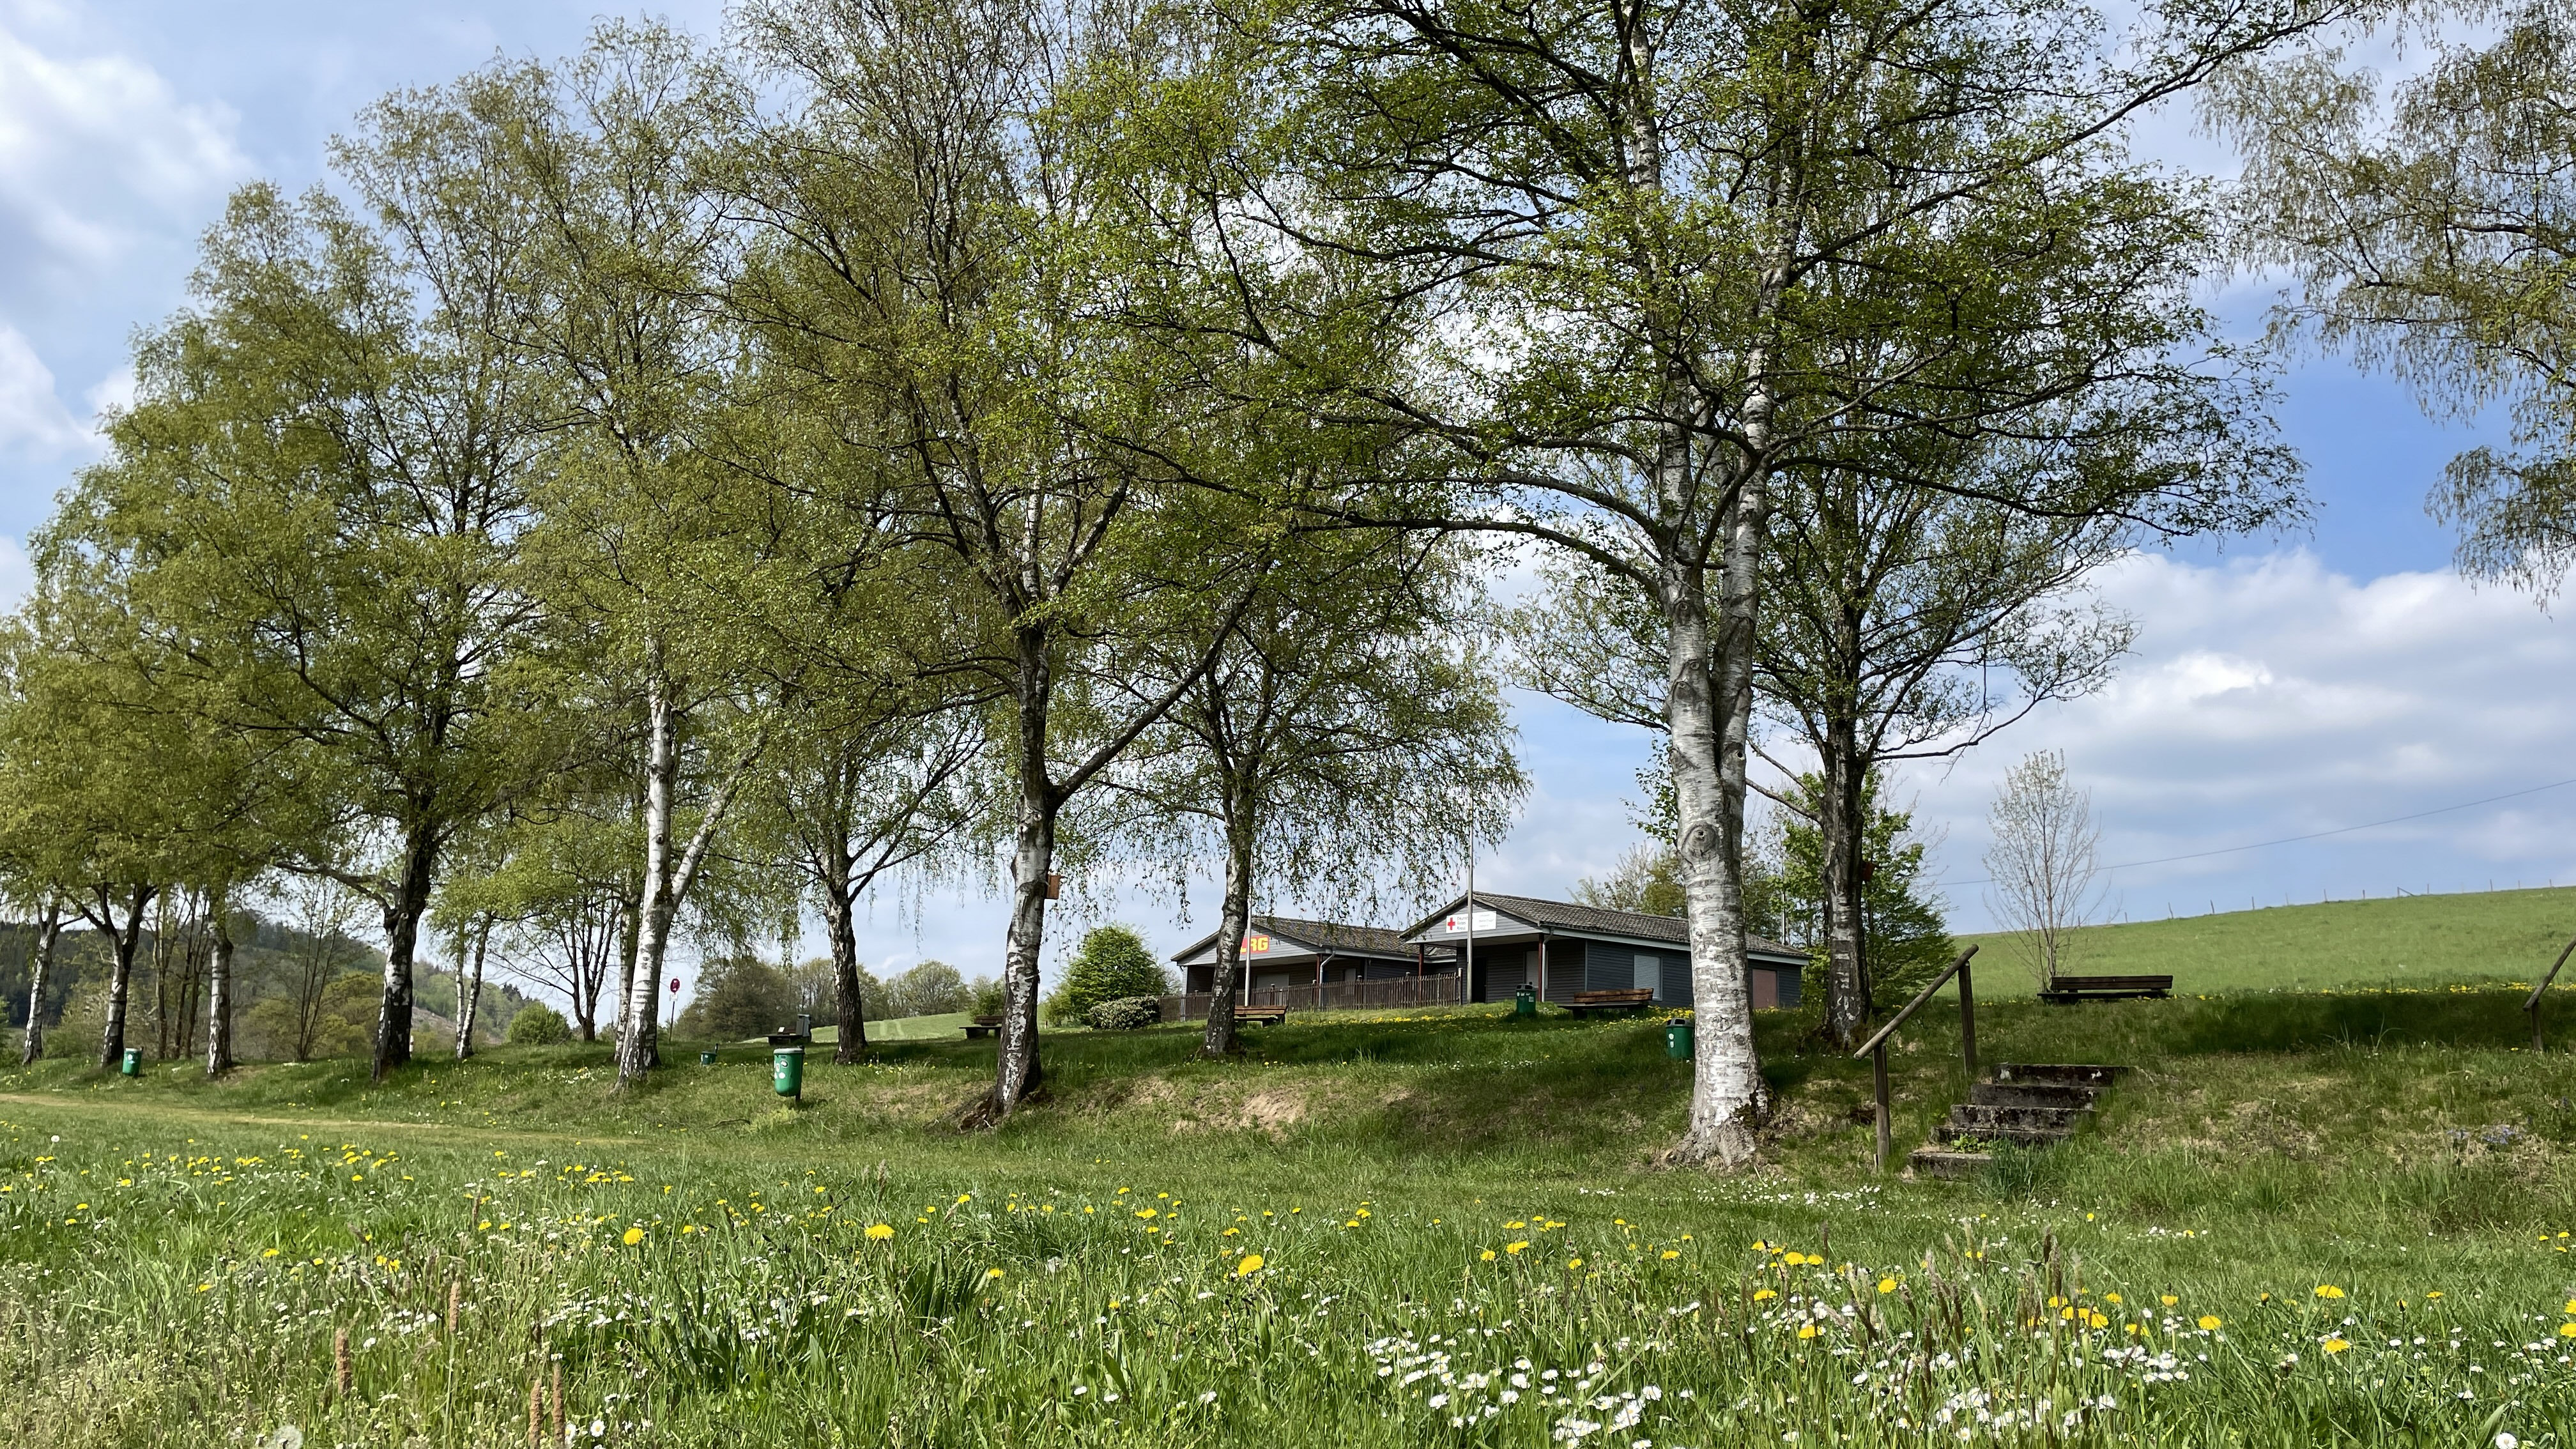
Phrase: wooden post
(1886, 1129)
(1967, 1022)
(2533, 1005)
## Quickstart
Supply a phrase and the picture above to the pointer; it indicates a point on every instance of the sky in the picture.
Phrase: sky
(2281, 687)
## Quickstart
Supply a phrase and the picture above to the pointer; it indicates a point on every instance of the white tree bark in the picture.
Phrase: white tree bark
(49, 929)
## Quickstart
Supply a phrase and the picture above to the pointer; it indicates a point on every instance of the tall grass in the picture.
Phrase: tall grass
(1360, 1235)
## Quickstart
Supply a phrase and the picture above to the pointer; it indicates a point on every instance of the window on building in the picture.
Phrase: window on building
(1650, 972)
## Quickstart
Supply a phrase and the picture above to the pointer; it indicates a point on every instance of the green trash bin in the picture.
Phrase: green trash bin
(1525, 1001)
(132, 1066)
(1677, 1040)
(787, 1071)
(706, 1059)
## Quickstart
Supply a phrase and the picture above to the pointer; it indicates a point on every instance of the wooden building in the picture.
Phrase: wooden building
(1309, 965)
(1562, 948)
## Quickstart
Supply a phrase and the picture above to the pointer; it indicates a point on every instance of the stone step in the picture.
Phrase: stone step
(1977, 1116)
(2057, 1073)
(2018, 1136)
(1945, 1162)
(2033, 1094)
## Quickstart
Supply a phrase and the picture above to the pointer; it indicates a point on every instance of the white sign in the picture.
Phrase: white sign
(1458, 924)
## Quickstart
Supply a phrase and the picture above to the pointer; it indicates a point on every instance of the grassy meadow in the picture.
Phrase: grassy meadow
(2488, 936)
(2305, 1219)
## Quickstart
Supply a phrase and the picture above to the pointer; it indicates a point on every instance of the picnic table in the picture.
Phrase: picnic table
(2068, 989)
(1634, 998)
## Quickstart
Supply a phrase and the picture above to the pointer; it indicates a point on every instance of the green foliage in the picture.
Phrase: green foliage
(1905, 940)
(1112, 962)
(537, 1024)
(1647, 880)
(738, 997)
(932, 988)
(989, 996)
(1127, 1013)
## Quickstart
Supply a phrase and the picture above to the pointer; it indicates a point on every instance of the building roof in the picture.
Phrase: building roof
(1575, 918)
(1322, 938)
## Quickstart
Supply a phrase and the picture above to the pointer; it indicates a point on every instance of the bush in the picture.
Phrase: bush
(933, 988)
(738, 997)
(1127, 1013)
(989, 996)
(537, 1024)
(1111, 964)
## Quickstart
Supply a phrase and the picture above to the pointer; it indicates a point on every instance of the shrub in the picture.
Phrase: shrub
(989, 996)
(737, 997)
(1111, 963)
(537, 1024)
(933, 988)
(1127, 1013)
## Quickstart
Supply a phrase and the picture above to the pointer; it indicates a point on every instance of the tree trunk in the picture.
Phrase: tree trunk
(1710, 716)
(1232, 922)
(219, 988)
(48, 931)
(844, 937)
(1016, 1071)
(666, 879)
(469, 991)
(402, 939)
(1838, 821)
(120, 981)
(638, 1051)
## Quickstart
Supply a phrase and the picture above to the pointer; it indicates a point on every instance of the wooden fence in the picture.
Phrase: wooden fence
(1393, 991)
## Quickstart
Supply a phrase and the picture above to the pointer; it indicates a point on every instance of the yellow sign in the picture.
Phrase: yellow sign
(1255, 945)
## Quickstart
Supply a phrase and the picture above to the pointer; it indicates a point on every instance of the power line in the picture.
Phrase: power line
(2319, 835)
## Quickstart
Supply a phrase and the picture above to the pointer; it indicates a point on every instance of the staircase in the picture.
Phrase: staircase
(2026, 1104)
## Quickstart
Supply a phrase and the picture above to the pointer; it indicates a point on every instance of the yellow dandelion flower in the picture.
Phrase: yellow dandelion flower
(1574, 1262)
(271, 1253)
(1671, 1253)
(2098, 1321)
(1251, 1264)
(2209, 1320)
(1515, 1247)
(1886, 1285)
(2169, 1300)
(1149, 1213)
(880, 1231)
(992, 1272)
(2110, 1297)
(1515, 1225)
(1486, 1256)
(1806, 1330)
(634, 1236)
(1761, 1293)
(2335, 1345)
(2436, 1293)
(2328, 1290)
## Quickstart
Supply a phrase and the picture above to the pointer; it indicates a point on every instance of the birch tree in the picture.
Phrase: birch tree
(2425, 224)
(1346, 740)
(320, 489)
(933, 264)
(1623, 236)
(2044, 860)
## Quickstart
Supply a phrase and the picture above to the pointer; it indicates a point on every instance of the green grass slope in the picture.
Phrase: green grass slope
(2488, 936)
(2319, 1218)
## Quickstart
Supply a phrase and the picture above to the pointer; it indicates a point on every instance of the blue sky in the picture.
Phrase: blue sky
(2280, 686)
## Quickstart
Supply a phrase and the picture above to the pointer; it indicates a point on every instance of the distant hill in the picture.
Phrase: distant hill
(2486, 936)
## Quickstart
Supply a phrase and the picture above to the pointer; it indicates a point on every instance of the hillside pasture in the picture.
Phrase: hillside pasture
(2304, 1219)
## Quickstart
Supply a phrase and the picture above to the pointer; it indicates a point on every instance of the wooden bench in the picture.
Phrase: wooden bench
(984, 1026)
(1260, 1015)
(2067, 989)
(1636, 998)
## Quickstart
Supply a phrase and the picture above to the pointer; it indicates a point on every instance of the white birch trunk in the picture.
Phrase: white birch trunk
(48, 931)
(219, 989)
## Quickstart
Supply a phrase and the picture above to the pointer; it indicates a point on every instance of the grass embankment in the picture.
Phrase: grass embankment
(1359, 1234)
(2487, 936)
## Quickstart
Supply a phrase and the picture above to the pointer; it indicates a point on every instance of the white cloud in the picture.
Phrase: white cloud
(97, 153)
(2273, 698)
(33, 421)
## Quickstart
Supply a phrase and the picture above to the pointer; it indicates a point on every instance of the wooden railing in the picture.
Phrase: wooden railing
(2533, 1005)
(1445, 989)
(1876, 1047)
